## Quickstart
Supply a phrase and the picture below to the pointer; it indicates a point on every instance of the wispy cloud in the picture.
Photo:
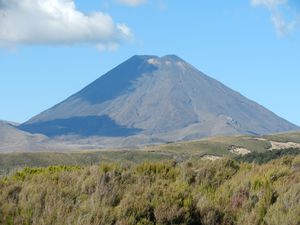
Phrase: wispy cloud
(56, 22)
(132, 2)
(282, 25)
(271, 4)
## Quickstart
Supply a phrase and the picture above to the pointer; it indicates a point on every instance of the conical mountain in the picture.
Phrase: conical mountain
(161, 97)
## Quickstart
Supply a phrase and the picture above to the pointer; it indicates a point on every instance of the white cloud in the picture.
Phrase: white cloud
(271, 4)
(282, 25)
(132, 2)
(56, 22)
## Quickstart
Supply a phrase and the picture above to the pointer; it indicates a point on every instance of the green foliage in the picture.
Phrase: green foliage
(194, 192)
(29, 172)
(164, 169)
(265, 157)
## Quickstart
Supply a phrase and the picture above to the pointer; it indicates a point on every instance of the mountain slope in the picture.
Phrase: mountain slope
(13, 139)
(163, 98)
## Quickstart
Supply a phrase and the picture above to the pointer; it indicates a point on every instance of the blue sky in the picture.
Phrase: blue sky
(252, 46)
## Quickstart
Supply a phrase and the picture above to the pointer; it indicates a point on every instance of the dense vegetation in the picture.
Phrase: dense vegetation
(192, 192)
(264, 157)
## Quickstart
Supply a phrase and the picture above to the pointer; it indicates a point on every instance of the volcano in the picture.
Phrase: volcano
(156, 97)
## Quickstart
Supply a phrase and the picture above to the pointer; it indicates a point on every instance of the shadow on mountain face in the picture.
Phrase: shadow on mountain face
(82, 126)
(117, 81)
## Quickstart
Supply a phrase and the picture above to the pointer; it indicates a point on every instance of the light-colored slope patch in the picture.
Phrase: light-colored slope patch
(282, 145)
(211, 157)
(240, 151)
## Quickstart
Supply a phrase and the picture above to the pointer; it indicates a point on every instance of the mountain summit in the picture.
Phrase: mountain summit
(157, 97)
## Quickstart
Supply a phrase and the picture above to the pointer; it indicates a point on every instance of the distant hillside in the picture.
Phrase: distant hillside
(150, 99)
(193, 192)
(246, 148)
(13, 139)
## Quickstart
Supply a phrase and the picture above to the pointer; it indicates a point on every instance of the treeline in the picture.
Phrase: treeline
(164, 193)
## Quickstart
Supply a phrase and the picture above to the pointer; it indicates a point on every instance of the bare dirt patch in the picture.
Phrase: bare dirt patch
(240, 151)
(211, 157)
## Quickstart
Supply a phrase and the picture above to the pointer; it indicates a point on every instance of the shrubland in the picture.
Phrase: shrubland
(264, 157)
(166, 192)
